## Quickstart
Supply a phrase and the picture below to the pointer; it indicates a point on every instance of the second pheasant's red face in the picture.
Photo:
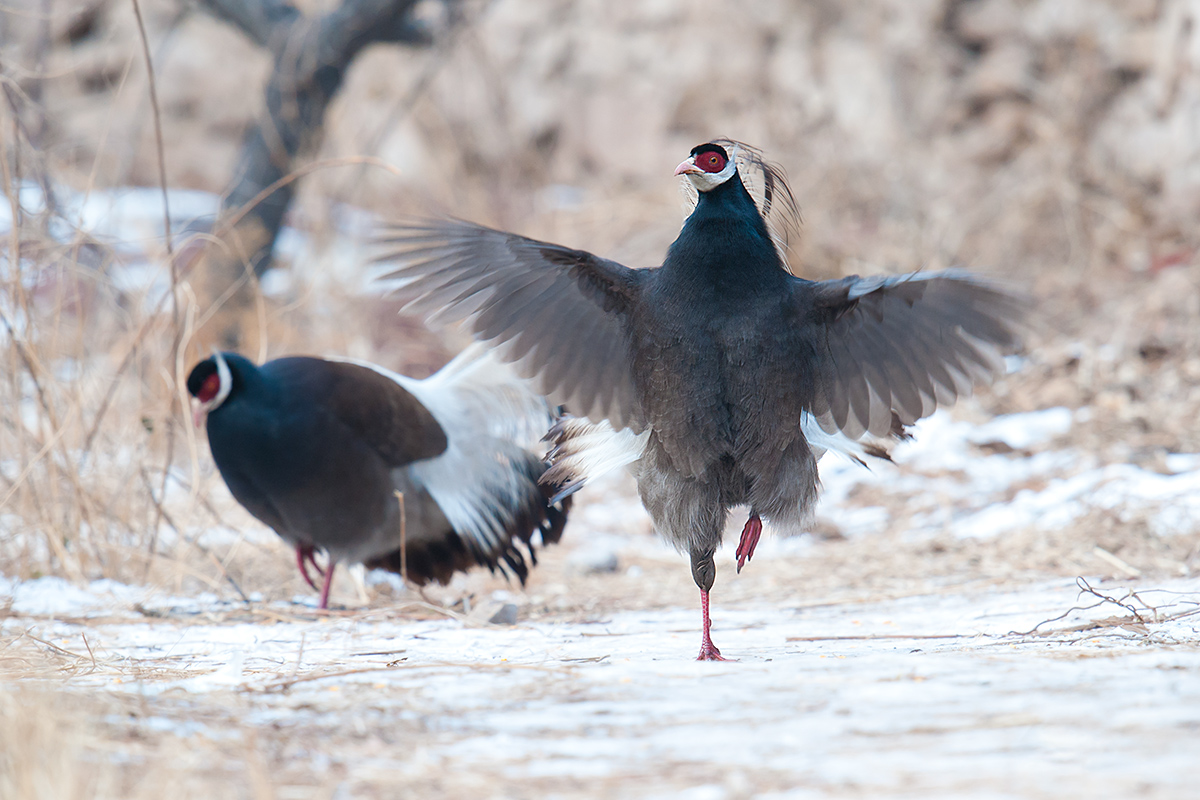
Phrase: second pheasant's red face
(209, 389)
(209, 384)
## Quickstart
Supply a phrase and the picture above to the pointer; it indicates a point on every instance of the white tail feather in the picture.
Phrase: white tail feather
(822, 441)
(585, 450)
(492, 420)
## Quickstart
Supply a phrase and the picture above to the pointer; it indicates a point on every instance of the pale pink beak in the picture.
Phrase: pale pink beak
(198, 415)
(689, 165)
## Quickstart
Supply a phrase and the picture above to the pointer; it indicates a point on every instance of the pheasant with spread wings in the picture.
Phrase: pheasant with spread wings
(718, 378)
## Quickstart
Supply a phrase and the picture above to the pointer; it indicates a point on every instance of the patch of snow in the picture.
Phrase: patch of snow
(276, 282)
(946, 482)
(383, 577)
(935, 681)
(1022, 431)
(52, 596)
(227, 675)
(1182, 462)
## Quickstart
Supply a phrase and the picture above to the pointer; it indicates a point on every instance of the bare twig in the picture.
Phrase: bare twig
(311, 56)
(53, 646)
(403, 539)
(1138, 617)
(287, 683)
(158, 136)
(223, 229)
(873, 637)
(1120, 563)
(176, 331)
(163, 516)
(91, 653)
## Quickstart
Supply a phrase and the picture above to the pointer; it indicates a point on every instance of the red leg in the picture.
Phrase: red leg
(328, 582)
(708, 650)
(312, 559)
(304, 554)
(749, 541)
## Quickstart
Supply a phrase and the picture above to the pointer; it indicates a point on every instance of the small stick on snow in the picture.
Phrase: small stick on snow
(1124, 566)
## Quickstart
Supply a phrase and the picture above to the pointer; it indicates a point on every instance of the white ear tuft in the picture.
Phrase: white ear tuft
(226, 378)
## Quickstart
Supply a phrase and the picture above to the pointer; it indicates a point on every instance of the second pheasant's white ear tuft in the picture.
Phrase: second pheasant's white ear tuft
(226, 382)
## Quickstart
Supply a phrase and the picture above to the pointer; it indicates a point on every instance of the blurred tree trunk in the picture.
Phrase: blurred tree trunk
(311, 57)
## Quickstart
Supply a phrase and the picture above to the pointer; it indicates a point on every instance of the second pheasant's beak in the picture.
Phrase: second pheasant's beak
(689, 165)
(198, 413)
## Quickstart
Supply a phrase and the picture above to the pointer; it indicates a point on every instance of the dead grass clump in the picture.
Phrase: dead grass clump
(58, 745)
(41, 749)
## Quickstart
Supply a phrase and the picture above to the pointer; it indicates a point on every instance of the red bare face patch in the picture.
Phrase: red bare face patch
(209, 389)
(710, 161)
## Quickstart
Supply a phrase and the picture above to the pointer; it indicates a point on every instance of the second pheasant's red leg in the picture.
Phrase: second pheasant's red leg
(328, 582)
(749, 540)
(304, 554)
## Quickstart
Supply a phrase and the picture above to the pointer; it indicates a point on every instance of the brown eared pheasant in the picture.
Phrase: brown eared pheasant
(319, 448)
(719, 379)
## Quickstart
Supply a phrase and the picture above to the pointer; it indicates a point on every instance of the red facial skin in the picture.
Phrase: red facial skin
(709, 161)
(208, 390)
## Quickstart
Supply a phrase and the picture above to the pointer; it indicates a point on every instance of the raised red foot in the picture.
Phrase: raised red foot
(749, 540)
(708, 650)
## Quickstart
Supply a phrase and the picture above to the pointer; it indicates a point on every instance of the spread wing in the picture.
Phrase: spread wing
(378, 410)
(559, 314)
(903, 345)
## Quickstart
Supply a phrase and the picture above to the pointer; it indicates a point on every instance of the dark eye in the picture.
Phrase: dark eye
(711, 162)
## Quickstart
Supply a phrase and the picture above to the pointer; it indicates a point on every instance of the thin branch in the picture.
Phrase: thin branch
(403, 538)
(222, 230)
(158, 136)
(176, 332)
(311, 55)
(164, 516)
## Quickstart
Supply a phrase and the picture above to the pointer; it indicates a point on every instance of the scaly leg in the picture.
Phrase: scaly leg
(749, 540)
(328, 582)
(304, 555)
(708, 650)
(704, 572)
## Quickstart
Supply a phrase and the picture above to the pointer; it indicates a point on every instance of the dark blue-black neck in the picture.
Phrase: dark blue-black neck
(249, 384)
(725, 244)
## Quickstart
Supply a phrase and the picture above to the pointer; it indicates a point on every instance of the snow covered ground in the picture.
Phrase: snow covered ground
(948, 685)
(936, 695)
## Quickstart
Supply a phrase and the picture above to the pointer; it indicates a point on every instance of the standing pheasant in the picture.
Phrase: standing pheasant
(718, 378)
(319, 448)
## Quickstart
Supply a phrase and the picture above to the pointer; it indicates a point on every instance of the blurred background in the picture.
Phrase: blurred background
(1054, 144)
(1051, 144)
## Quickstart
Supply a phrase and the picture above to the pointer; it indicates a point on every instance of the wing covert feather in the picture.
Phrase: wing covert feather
(904, 345)
(560, 315)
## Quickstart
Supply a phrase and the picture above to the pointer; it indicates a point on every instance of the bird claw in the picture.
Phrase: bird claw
(749, 541)
(305, 556)
(709, 652)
